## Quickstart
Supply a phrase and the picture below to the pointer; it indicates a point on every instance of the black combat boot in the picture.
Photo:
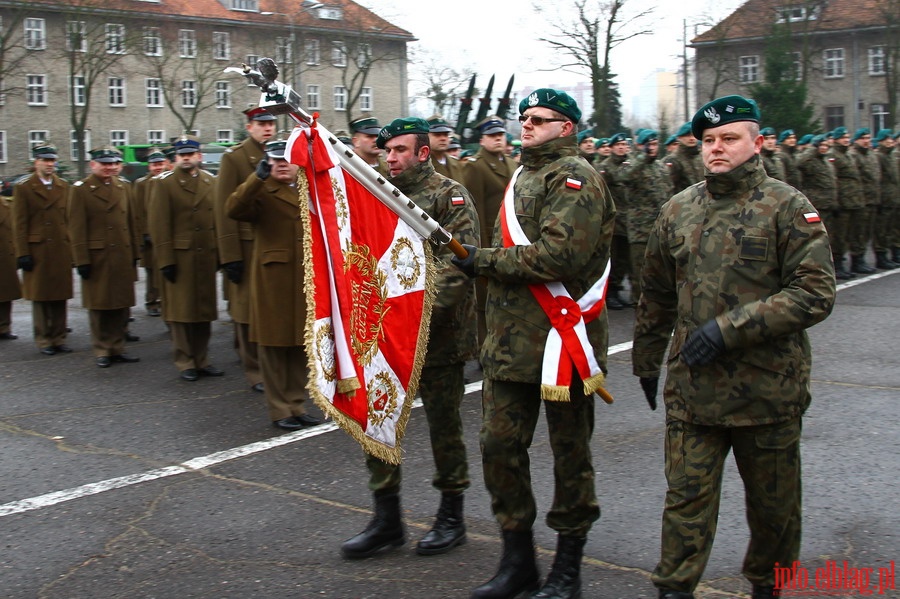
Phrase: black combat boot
(763, 592)
(669, 594)
(564, 581)
(840, 273)
(858, 265)
(613, 301)
(517, 572)
(385, 529)
(882, 261)
(449, 529)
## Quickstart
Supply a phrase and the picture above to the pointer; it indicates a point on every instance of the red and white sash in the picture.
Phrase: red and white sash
(567, 343)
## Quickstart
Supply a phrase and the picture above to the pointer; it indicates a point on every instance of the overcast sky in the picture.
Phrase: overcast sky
(499, 37)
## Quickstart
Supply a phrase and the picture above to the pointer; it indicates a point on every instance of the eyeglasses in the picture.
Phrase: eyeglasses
(537, 121)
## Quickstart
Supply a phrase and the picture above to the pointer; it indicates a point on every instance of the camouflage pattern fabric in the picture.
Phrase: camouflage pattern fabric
(850, 192)
(788, 157)
(818, 182)
(773, 165)
(869, 173)
(649, 187)
(738, 248)
(685, 167)
(883, 239)
(695, 456)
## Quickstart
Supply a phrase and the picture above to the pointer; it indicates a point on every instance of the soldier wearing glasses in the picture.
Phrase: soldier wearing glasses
(561, 216)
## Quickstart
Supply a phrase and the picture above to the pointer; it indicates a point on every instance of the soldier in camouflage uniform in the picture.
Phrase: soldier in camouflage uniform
(890, 198)
(649, 186)
(772, 164)
(852, 200)
(559, 204)
(870, 178)
(615, 170)
(818, 182)
(685, 165)
(451, 342)
(787, 154)
(739, 266)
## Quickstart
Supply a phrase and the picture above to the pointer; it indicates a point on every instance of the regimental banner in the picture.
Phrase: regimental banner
(369, 300)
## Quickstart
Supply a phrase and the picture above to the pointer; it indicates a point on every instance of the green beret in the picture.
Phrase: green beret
(647, 135)
(556, 100)
(724, 110)
(839, 132)
(685, 129)
(603, 141)
(617, 138)
(767, 131)
(785, 134)
(401, 127)
(805, 139)
(671, 139)
(860, 132)
(584, 135)
(817, 140)
(883, 134)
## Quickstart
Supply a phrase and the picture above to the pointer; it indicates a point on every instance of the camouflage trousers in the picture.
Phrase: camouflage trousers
(882, 235)
(835, 222)
(636, 253)
(441, 389)
(768, 460)
(510, 416)
(621, 264)
(859, 230)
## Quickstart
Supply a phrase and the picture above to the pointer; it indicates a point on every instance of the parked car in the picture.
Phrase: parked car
(8, 182)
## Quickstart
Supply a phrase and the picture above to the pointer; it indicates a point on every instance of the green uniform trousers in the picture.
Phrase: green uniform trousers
(768, 459)
(441, 389)
(510, 416)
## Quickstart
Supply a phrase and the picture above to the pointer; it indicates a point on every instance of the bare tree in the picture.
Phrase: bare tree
(585, 45)
(12, 51)
(890, 11)
(442, 85)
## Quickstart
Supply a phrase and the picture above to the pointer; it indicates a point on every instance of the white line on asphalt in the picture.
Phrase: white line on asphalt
(50, 499)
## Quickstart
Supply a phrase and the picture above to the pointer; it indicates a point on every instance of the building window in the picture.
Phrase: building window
(154, 93)
(313, 97)
(282, 50)
(365, 99)
(877, 64)
(156, 137)
(245, 5)
(363, 56)
(880, 115)
(152, 41)
(251, 61)
(118, 137)
(79, 91)
(340, 97)
(797, 65)
(224, 136)
(794, 14)
(223, 94)
(188, 94)
(116, 91)
(834, 117)
(3, 146)
(36, 90)
(749, 69)
(115, 38)
(834, 63)
(221, 45)
(76, 36)
(36, 138)
(74, 150)
(35, 34)
(313, 53)
(332, 13)
(187, 43)
(338, 54)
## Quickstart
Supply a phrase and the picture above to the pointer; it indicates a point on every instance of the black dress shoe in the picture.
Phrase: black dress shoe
(131, 319)
(291, 423)
(48, 351)
(210, 371)
(62, 349)
(9, 336)
(130, 337)
(259, 388)
(190, 374)
(124, 358)
(307, 420)
(104, 362)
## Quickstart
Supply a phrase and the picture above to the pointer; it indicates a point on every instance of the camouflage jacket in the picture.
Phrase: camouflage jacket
(685, 167)
(788, 157)
(773, 165)
(565, 209)
(616, 171)
(890, 177)
(452, 337)
(649, 186)
(743, 249)
(817, 179)
(869, 174)
(850, 193)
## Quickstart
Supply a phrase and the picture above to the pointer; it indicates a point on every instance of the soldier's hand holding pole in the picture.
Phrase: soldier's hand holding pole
(465, 259)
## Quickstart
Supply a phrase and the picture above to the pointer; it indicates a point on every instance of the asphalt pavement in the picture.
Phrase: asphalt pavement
(128, 482)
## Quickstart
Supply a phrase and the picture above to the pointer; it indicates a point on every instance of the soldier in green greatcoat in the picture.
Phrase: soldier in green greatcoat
(739, 266)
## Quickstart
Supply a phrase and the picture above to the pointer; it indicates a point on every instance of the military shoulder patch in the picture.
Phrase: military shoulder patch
(458, 201)
(573, 183)
(812, 217)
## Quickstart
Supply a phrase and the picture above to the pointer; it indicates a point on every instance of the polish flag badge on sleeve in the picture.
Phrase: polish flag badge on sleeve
(812, 217)
(573, 183)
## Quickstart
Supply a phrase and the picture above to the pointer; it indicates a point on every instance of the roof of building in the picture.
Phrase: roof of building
(755, 18)
(354, 18)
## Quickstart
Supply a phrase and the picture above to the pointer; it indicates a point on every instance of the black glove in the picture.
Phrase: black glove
(234, 271)
(650, 386)
(704, 345)
(26, 263)
(147, 242)
(263, 169)
(84, 271)
(169, 272)
(467, 264)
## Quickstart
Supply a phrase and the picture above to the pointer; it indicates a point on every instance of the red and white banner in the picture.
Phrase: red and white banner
(369, 300)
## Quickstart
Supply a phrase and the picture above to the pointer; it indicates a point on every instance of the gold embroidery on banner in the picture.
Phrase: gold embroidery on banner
(382, 398)
(405, 263)
(341, 209)
(368, 292)
(325, 352)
